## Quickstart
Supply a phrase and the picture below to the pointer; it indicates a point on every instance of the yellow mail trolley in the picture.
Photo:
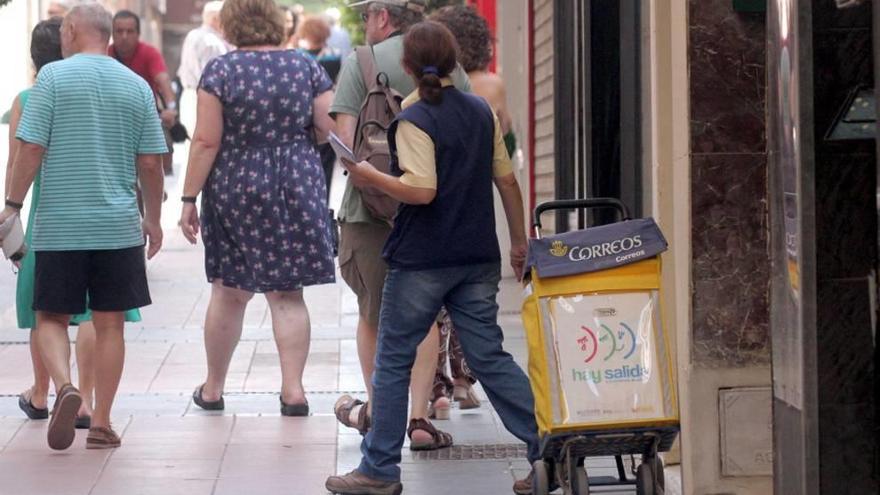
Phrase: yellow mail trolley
(599, 359)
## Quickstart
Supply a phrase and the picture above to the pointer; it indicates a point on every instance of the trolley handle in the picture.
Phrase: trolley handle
(577, 204)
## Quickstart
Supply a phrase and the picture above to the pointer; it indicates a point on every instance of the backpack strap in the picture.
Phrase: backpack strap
(367, 62)
(392, 97)
(373, 80)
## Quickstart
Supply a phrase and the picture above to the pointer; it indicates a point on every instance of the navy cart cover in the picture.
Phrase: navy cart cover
(596, 248)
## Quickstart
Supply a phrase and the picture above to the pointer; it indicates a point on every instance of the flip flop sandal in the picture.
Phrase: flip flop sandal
(294, 409)
(61, 427)
(213, 405)
(343, 408)
(439, 439)
(28, 407)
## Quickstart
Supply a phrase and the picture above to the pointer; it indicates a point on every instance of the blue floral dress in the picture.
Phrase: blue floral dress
(265, 222)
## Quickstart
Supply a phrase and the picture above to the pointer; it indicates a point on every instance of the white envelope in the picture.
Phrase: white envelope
(12, 238)
(342, 151)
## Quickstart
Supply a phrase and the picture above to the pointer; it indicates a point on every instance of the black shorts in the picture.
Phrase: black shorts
(114, 280)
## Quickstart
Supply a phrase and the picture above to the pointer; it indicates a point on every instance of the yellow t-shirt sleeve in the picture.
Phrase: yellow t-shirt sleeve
(415, 155)
(501, 165)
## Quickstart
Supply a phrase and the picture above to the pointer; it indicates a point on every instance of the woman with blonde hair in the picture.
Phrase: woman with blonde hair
(264, 220)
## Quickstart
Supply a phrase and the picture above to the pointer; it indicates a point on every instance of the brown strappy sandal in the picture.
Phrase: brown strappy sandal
(102, 438)
(439, 439)
(343, 408)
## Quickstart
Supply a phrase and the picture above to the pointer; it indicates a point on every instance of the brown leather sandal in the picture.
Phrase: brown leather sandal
(439, 439)
(343, 408)
(102, 438)
(61, 430)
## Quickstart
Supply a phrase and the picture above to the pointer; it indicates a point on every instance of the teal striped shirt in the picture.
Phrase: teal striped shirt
(93, 116)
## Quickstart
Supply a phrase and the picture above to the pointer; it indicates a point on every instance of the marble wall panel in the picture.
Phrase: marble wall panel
(727, 78)
(731, 269)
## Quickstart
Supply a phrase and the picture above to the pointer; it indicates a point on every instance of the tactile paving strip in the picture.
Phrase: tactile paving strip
(469, 452)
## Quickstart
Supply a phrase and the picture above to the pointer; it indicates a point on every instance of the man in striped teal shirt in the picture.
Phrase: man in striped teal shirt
(90, 129)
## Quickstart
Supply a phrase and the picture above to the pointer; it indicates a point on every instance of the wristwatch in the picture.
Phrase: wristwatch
(171, 105)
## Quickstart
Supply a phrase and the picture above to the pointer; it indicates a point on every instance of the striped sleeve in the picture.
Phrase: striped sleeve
(152, 138)
(35, 125)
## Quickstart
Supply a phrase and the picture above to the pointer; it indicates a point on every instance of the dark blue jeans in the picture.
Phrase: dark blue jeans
(410, 303)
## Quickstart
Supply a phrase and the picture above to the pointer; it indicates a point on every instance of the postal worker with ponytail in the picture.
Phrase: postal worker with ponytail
(442, 251)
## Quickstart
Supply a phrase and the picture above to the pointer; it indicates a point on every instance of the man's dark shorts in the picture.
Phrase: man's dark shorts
(114, 280)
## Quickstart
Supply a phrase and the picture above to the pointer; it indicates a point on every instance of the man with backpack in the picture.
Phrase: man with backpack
(367, 99)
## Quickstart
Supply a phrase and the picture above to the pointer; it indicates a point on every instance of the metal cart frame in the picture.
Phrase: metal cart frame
(563, 453)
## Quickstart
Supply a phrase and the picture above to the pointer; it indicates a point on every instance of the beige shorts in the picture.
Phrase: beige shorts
(362, 266)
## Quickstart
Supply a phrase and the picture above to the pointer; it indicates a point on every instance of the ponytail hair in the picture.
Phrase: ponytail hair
(430, 86)
(429, 54)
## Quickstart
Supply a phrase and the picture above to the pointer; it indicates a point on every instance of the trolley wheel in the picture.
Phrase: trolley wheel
(646, 483)
(559, 474)
(659, 476)
(577, 478)
(541, 478)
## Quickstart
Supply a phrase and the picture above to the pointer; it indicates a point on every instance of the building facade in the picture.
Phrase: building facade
(18, 18)
(674, 107)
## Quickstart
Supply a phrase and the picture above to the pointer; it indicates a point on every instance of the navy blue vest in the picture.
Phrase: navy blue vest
(458, 227)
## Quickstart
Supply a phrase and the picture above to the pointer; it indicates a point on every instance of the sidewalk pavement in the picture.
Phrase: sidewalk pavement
(171, 446)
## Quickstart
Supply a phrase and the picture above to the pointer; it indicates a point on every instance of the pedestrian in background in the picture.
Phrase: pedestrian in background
(362, 235)
(46, 48)
(476, 49)
(264, 219)
(292, 17)
(146, 61)
(443, 250)
(312, 35)
(200, 46)
(89, 128)
(59, 8)
(475, 42)
(339, 38)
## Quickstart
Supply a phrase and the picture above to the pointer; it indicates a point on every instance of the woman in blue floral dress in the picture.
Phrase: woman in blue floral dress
(264, 217)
